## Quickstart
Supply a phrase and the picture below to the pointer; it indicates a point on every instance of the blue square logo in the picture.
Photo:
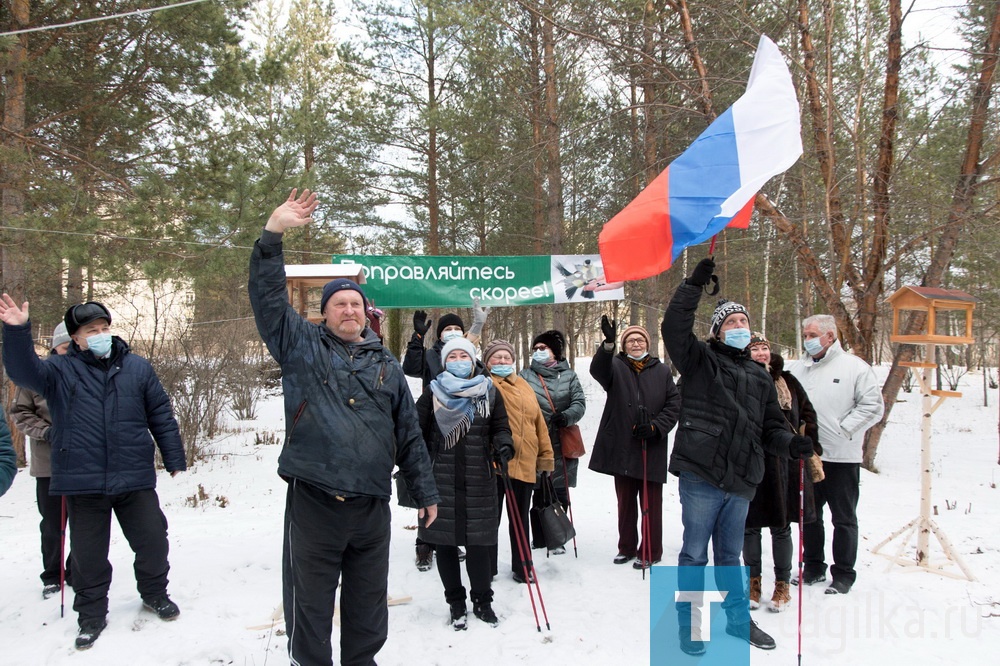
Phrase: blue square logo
(689, 610)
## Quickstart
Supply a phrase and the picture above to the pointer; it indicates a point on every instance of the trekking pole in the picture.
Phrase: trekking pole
(527, 566)
(647, 547)
(569, 504)
(62, 556)
(802, 512)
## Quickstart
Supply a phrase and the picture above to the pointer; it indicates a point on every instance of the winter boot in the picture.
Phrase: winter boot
(459, 615)
(164, 608)
(754, 593)
(89, 631)
(425, 556)
(752, 634)
(49, 590)
(482, 607)
(781, 598)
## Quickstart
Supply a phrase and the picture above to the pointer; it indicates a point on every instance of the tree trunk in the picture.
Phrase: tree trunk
(553, 162)
(965, 191)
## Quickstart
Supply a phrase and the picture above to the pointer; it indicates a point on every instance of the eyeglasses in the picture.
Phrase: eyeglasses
(539, 348)
(635, 341)
(88, 312)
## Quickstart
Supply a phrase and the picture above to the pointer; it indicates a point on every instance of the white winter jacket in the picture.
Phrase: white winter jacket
(846, 395)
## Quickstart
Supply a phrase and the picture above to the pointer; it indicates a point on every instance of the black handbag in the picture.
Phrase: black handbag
(553, 523)
(403, 496)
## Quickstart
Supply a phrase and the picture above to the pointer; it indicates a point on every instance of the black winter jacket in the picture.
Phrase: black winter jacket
(105, 415)
(776, 503)
(616, 451)
(349, 414)
(422, 362)
(729, 408)
(465, 476)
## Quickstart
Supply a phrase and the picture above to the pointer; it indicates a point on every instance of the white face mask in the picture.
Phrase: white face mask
(813, 346)
(448, 336)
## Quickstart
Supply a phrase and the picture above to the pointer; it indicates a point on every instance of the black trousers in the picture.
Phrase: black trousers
(145, 528)
(326, 540)
(839, 490)
(522, 497)
(50, 509)
(781, 551)
(477, 564)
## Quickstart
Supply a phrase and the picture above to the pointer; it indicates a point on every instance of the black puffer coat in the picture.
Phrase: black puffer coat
(616, 451)
(729, 407)
(776, 503)
(465, 476)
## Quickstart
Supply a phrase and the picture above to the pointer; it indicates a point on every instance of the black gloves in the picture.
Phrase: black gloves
(702, 274)
(421, 323)
(504, 454)
(559, 420)
(608, 328)
(644, 431)
(801, 447)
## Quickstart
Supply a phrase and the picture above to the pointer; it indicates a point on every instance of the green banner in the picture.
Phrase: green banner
(445, 282)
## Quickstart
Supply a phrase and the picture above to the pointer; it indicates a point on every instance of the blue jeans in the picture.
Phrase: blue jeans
(710, 513)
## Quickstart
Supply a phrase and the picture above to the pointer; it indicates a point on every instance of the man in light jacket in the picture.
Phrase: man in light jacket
(846, 395)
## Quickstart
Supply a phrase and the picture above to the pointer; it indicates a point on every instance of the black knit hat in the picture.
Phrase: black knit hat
(450, 319)
(339, 284)
(554, 340)
(723, 310)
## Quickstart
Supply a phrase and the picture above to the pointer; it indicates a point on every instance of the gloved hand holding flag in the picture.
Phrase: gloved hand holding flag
(712, 184)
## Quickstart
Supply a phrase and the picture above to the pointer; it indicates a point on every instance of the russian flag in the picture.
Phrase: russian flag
(712, 184)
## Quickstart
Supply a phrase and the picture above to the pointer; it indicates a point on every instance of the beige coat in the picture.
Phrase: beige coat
(532, 446)
(30, 414)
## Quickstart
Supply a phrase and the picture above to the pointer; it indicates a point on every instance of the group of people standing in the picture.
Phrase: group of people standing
(479, 433)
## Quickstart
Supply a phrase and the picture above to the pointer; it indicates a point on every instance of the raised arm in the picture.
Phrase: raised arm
(277, 321)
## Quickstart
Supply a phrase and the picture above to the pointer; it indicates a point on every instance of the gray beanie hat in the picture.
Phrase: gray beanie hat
(458, 343)
(60, 336)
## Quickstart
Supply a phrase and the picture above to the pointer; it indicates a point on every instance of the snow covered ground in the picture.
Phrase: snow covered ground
(226, 569)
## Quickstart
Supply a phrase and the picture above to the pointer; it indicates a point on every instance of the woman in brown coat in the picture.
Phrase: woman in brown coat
(532, 446)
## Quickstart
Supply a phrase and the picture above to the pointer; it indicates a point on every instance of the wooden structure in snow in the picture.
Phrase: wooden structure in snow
(936, 303)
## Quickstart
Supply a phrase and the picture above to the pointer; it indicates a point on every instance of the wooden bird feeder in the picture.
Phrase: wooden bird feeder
(301, 278)
(934, 302)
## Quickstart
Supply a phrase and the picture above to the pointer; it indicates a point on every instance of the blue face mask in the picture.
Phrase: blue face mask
(461, 369)
(738, 338)
(100, 344)
(813, 346)
(639, 357)
(502, 370)
(542, 355)
(447, 336)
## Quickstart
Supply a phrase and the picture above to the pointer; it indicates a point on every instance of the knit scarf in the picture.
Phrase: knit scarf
(456, 403)
(638, 365)
(784, 395)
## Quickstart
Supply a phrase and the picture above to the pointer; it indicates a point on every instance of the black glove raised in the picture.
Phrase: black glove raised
(421, 323)
(801, 447)
(559, 420)
(609, 330)
(644, 431)
(702, 274)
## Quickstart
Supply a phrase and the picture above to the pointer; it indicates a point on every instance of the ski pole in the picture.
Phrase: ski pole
(569, 504)
(62, 556)
(802, 512)
(647, 548)
(527, 565)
